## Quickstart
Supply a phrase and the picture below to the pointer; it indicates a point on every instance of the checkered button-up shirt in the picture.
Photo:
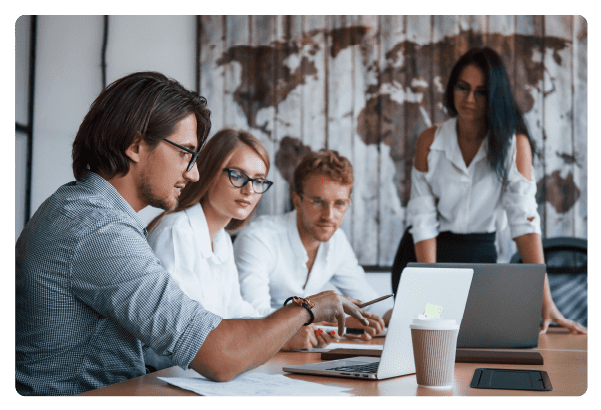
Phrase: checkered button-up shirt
(90, 291)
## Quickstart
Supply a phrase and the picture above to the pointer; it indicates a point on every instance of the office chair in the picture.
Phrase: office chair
(566, 260)
(405, 254)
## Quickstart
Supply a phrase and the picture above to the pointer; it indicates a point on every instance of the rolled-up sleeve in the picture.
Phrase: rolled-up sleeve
(423, 214)
(127, 284)
(519, 201)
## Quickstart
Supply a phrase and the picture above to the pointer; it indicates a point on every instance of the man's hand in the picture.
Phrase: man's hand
(330, 306)
(375, 327)
(309, 337)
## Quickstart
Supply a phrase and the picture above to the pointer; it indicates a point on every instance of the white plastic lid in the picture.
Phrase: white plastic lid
(428, 323)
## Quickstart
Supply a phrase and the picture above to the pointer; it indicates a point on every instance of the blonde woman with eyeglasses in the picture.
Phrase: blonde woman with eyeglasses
(192, 241)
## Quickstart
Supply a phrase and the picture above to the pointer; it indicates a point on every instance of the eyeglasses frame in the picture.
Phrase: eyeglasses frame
(479, 93)
(194, 154)
(313, 202)
(248, 179)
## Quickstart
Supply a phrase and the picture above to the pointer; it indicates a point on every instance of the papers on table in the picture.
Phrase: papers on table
(353, 346)
(342, 346)
(255, 384)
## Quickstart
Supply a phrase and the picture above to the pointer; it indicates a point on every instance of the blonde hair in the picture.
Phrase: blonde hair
(210, 164)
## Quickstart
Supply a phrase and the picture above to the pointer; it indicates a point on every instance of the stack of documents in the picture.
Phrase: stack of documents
(352, 346)
(342, 346)
(255, 384)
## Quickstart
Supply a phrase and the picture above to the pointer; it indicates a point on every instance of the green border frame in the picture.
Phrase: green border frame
(13, 11)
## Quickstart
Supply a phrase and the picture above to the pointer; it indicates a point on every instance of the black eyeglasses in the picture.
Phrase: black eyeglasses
(239, 179)
(464, 90)
(194, 154)
(340, 205)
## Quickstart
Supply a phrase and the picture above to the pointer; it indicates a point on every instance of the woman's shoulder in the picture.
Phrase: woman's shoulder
(268, 223)
(177, 220)
(522, 143)
(523, 155)
(265, 228)
(223, 239)
(438, 133)
(426, 138)
(437, 138)
(422, 148)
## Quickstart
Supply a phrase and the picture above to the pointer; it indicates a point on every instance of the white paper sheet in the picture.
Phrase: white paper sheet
(342, 346)
(255, 384)
(353, 346)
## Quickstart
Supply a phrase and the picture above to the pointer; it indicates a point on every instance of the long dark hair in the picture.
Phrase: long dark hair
(210, 163)
(145, 105)
(504, 118)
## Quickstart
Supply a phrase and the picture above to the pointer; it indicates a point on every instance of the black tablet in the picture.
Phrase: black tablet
(511, 379)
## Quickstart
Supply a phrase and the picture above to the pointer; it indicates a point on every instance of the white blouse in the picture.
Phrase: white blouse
(463, 200)
(182, 242)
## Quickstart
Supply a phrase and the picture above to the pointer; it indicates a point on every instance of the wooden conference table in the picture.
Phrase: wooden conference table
(565, 361)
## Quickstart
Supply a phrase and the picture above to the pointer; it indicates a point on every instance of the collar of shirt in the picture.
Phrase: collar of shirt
(448, 143)
(294, 237)
(297, 245)
(219, 252)
(96, 183)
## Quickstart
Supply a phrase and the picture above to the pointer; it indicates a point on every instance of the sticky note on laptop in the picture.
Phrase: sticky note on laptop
(433, 311)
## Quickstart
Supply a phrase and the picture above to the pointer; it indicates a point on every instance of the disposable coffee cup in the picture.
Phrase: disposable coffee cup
(434, 346)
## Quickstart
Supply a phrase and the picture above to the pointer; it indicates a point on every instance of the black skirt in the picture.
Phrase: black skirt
(450, 247)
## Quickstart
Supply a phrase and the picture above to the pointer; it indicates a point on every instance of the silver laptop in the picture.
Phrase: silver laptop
(447, 288)
(504, 305)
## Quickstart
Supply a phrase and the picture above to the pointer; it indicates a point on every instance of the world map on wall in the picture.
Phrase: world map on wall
(267, 79)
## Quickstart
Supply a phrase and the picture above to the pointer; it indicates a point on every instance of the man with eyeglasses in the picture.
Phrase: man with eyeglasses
(89, 290)
(303, 251)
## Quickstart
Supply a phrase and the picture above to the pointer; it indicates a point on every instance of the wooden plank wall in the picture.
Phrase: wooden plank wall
(367, 86)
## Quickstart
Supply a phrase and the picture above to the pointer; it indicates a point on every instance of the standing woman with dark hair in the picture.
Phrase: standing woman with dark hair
(470, 169)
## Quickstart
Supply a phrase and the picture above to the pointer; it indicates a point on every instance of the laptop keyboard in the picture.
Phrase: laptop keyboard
(358, 368)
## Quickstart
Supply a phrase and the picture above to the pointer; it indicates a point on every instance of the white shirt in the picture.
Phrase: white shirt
(272, 263)
(182, 242)
(460, 199)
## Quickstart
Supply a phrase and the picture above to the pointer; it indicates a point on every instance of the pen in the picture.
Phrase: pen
(371, 302)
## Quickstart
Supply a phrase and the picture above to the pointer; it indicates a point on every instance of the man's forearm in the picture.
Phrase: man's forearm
(239, 345)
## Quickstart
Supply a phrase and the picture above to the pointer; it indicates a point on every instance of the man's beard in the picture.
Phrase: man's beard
(149, 198)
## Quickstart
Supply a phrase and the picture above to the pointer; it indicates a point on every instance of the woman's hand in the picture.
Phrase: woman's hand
(552, 314)
(330, 306)
(531, 250)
